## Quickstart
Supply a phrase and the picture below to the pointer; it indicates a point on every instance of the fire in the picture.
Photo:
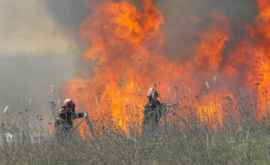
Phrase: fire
(215, 108)
(209, 52)
(122, 38)
(126, 44)
(262, 59)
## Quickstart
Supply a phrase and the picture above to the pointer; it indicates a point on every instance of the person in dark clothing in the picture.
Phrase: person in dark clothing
(152, 111)
(66, 116)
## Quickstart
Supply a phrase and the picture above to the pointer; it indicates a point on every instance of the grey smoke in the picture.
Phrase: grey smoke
(35, 52)
(68, 13)
(182, 32)
(31, 30)
(27, 28)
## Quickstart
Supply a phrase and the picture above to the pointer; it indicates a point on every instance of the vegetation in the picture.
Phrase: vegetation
(249, 145)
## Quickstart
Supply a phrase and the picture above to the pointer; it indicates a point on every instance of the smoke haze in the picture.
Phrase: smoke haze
(185, 19)
(26, 28)
(40, 45)
(35, 52)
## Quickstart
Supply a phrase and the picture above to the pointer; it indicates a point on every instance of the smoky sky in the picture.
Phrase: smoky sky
(51, 27)
(35, 52)
(178, 13)
(68, 13)
(182, 32)
(26, 27)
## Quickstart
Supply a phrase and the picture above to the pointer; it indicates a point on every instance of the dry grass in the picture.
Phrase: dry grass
(195, 145)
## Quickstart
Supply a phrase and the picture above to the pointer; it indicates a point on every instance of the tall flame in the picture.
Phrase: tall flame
(126, 44)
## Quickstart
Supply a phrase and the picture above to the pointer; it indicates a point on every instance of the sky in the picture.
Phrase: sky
(27, 28)
(37, 49)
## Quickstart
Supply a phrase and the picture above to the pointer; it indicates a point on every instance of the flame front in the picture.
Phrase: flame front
(126, 47)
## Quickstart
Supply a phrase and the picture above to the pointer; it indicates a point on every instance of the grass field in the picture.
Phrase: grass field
(246, 145)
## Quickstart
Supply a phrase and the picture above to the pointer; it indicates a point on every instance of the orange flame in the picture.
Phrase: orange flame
(126, 44)
(215, 108)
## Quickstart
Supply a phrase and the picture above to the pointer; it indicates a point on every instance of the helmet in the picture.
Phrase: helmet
(67, 100)
(68, 103)
(152, 92)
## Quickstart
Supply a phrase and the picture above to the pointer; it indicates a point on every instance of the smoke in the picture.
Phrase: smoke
(28, 78)
(27, 28)
(33, 28)
(185, 19)
(68, 13)
(35, 52)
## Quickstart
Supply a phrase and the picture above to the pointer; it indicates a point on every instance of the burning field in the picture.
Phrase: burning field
(127, 45)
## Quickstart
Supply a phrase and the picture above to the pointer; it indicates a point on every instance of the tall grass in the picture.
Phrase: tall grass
(247, 144)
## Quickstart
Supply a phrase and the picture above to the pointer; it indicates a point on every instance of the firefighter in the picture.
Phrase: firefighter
(152, 96)
(152, 110)
(65, 117)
